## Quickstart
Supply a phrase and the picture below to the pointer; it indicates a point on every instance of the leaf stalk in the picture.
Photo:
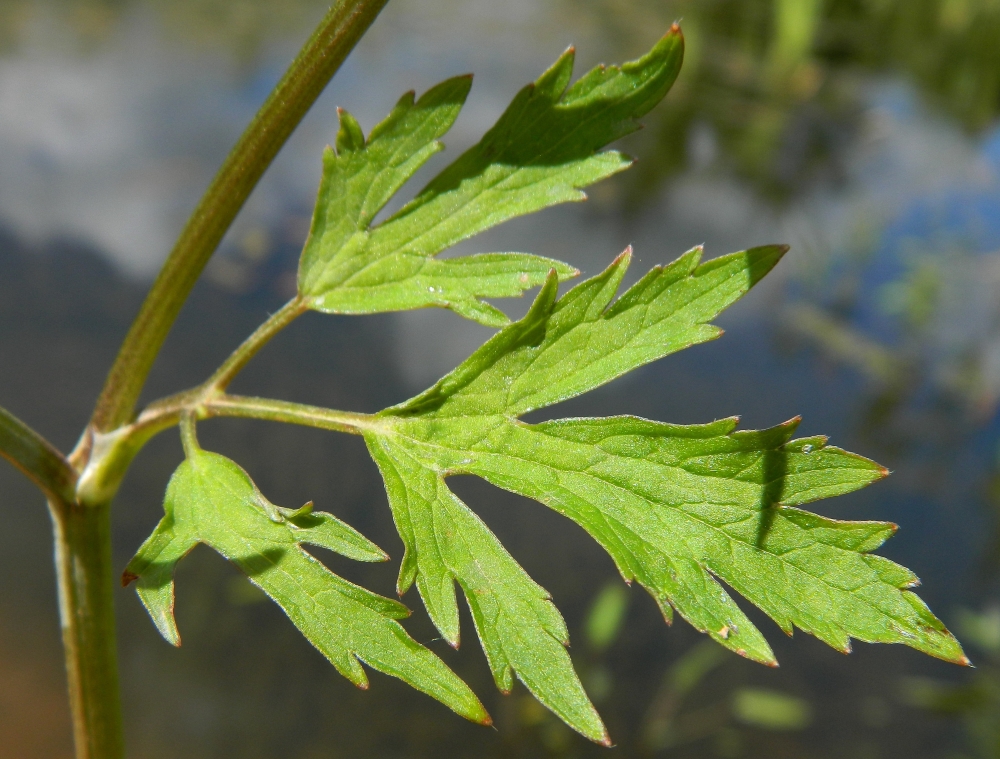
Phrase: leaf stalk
(81, 505)
(111, 453)
(319, 59)
(233, 365)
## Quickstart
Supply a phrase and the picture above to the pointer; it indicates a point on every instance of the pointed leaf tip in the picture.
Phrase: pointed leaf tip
(544, 150)
(578, 343)
(211, 500)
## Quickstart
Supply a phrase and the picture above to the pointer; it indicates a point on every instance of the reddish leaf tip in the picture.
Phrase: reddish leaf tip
(675, 28)
(128, 578)
(606, 740)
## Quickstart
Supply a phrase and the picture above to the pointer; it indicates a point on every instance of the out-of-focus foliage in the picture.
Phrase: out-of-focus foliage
(930, 330)
(770, 709)
(241, 27)
(977, 701)
(606, 616)
(770, 89)
(678, 718)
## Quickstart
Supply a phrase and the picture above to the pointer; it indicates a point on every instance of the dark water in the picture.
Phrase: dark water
(862, 133)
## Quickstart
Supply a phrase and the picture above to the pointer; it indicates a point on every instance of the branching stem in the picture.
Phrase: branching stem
(81, 505)
(319, 59)
(112, 453)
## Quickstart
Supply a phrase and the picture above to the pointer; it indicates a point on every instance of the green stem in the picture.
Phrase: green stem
(336, 36)
(189, 437)
(111, 453)
(241, 356)
(291, 413)
(36, 457)
(85, 575)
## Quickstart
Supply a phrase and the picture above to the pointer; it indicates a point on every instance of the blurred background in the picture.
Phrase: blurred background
(862, 132)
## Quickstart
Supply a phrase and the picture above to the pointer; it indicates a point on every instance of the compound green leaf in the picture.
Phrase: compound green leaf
(680, 509)
(519, 626)
(541, 152)
(211, 500)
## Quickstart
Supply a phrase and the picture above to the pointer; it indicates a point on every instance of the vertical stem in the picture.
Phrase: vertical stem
(319, 59)
(85, 576)
(83, 533)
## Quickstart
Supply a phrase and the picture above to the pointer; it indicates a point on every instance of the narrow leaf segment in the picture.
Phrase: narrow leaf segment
(211, 500)
(541, 151)
(677, 507)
